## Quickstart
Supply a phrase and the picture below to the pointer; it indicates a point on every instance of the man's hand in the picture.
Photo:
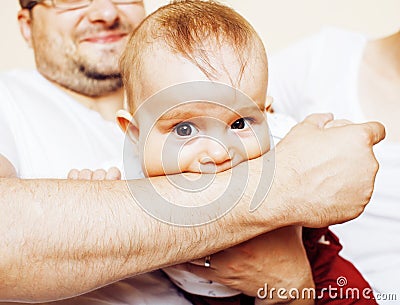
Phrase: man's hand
(99, 174)
(277, 259)
(332, 169)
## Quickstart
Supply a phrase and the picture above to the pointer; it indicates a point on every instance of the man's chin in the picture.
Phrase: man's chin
(102, 57)
(102, 75)
(99, 68)
(90, 49)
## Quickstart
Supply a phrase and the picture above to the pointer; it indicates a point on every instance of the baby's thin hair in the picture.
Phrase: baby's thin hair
(195, 30)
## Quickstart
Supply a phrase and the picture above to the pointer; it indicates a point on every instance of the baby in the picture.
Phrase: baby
(201, 128)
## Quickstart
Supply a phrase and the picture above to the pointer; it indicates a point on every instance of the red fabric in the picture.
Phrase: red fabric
(329, 270)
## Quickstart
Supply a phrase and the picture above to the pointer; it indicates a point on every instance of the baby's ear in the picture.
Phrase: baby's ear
(268, 104)
(128, 124)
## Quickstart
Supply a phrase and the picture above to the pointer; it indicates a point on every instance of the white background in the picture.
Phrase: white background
(279, 22)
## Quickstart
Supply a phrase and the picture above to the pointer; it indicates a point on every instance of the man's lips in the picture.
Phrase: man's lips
(104, 38)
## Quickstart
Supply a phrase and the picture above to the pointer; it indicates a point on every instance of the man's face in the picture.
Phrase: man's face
(79, 49)
(201, 136)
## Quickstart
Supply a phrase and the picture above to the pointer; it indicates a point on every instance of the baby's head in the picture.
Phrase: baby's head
(190, 41)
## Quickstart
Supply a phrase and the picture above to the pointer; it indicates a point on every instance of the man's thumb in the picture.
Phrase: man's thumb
(318, 119)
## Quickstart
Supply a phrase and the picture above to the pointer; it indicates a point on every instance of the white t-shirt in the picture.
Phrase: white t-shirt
(320, 74)
(45, 133)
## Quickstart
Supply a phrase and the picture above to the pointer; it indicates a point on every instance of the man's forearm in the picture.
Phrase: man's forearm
(61, 238)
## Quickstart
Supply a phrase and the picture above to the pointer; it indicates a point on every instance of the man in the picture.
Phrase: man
(63, 238)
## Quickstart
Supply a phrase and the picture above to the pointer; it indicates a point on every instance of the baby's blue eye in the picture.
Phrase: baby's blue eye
(239, 124)
(185, 129)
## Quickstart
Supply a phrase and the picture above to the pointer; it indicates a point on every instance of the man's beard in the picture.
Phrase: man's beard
(89, 81)
(76, 72)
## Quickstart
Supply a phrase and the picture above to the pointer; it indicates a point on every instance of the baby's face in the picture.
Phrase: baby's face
(201, 136)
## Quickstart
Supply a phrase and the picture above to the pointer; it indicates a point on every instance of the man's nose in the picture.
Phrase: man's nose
(103, 11)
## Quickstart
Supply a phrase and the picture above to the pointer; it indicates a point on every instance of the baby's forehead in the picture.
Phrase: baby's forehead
(204, 110)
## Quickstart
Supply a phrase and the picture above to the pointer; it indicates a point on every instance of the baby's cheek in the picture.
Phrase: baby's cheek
(151, 161)
(255, 147)
(188, 158)
(151, 169)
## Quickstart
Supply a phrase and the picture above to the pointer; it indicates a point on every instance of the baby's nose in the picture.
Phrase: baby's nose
(215, 153)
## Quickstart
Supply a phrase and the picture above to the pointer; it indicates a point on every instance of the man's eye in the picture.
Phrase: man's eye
(185, 130)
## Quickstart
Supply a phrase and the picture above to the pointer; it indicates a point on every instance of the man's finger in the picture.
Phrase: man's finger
(338, 123)
(99, 174)
(318, 119)
(207, 273)
(73, 174)
(113, 174)
(85, 174)
(376, 131)
(197, 262)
